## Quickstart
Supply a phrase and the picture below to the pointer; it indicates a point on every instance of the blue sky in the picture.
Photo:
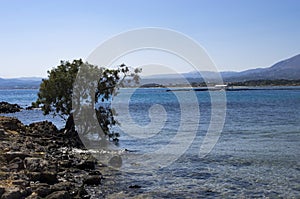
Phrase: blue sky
(35, 35)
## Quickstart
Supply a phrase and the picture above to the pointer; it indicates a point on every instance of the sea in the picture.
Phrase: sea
(255, 155)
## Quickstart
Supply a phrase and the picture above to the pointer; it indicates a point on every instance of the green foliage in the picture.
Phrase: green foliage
(55, 93)
(58, 93)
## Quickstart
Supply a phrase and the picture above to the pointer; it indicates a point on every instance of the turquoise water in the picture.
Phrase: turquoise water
(24, 97)
(257, 154)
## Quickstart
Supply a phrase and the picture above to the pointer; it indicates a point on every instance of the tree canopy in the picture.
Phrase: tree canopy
(57, 91)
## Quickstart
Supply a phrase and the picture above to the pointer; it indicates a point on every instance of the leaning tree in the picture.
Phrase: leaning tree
(57, 92)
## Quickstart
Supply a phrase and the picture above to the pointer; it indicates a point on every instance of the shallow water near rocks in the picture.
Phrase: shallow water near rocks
(257, 154)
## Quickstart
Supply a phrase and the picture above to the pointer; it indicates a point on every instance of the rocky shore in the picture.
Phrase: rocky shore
(6, 107)
(38, 161)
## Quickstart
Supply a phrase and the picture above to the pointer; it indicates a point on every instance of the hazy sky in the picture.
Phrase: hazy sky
(35, 35)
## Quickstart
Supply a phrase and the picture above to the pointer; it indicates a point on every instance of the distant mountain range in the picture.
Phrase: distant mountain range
(20, 83)
(288, 69)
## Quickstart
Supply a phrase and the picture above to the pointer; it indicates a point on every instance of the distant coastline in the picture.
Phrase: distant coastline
(282, 73)
(249, 83)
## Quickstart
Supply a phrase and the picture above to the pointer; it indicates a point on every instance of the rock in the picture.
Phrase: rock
(6, 107)
(16, 164)
(65, 163)
(14, 167)
(34, 176)
(59, 195)
(35, 164)
(33, 196)
(135, 186)
(115, 162)
(29, 145)
(32, 107)
(13, 193)
(2, 133)
(49, 177)
(86, 165)
(82, 193)
(43, 191)
(85, 197)
(95, 173)
(16, 146)
(40, 162)
(20, 182)
(2, 190)
(10, 155)
(92, 180)
(11, 123)
(45, 177)
(62, 186)
(46, 128)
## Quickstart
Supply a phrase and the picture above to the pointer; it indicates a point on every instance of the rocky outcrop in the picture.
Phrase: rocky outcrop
(6, 107)
(11, 124)
(38, 161)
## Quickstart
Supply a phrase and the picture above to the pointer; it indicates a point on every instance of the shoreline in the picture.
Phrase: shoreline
(267, 87)
(38, 161)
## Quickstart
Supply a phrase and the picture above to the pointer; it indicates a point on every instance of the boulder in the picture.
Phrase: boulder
(43, 191)
(65, 163)
(10, 155)
(14, 193)
(16, 164)
(87, 164)
(92, 180)
(20, 182)
(44, 177)
(11, 123)
(59, 195)
(33, 195)
(82, 193)
(40, 162)
(2, 190)
(49, 177)
(2, 133)
(62, 186)
(135, 186)
(35, 164)
(46, 128)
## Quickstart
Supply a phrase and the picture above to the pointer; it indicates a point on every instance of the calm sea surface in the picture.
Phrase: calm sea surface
(257, 154)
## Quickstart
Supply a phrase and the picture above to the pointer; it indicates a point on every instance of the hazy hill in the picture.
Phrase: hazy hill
(287, 69)
(20, 83)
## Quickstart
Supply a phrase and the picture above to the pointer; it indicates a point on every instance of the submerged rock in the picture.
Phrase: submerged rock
(135, 186)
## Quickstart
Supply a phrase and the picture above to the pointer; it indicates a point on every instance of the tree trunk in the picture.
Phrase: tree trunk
(71, 134)
(70, 124)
